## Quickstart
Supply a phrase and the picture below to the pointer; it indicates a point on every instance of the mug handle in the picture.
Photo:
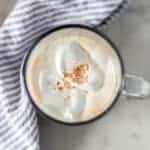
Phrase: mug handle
(135, 87)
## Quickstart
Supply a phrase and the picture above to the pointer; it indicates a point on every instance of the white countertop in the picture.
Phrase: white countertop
(127, 125)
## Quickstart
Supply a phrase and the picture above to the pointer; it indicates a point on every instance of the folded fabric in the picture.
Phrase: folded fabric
(26, 23)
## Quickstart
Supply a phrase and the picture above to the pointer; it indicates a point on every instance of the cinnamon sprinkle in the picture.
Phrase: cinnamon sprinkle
(59, 85)
(77, 75)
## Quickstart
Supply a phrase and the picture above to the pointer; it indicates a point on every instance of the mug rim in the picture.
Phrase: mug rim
(24, 70)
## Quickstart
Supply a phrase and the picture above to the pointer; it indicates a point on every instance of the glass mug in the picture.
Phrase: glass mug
(132, 86)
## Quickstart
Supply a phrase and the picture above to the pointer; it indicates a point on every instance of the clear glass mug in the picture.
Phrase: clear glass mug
(131, 86)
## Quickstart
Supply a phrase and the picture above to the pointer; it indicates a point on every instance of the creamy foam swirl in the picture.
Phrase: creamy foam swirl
(70, 87)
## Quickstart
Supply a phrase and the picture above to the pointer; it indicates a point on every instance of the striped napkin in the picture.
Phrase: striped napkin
(27, 22)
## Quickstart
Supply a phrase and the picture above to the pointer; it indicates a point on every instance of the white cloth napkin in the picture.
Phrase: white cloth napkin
(27, 22)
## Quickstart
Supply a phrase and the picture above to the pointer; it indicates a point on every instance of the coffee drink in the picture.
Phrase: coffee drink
(73, 74)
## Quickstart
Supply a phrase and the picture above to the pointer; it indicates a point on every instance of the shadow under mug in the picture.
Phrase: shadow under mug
(132, 86)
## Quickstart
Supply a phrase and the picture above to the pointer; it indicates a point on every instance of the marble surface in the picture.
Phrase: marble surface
(127, 125)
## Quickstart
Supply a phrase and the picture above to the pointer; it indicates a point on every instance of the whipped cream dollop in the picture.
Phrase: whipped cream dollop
(72, 55)
(76, 74)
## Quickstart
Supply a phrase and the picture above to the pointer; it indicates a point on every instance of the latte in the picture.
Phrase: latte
(73, 74)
